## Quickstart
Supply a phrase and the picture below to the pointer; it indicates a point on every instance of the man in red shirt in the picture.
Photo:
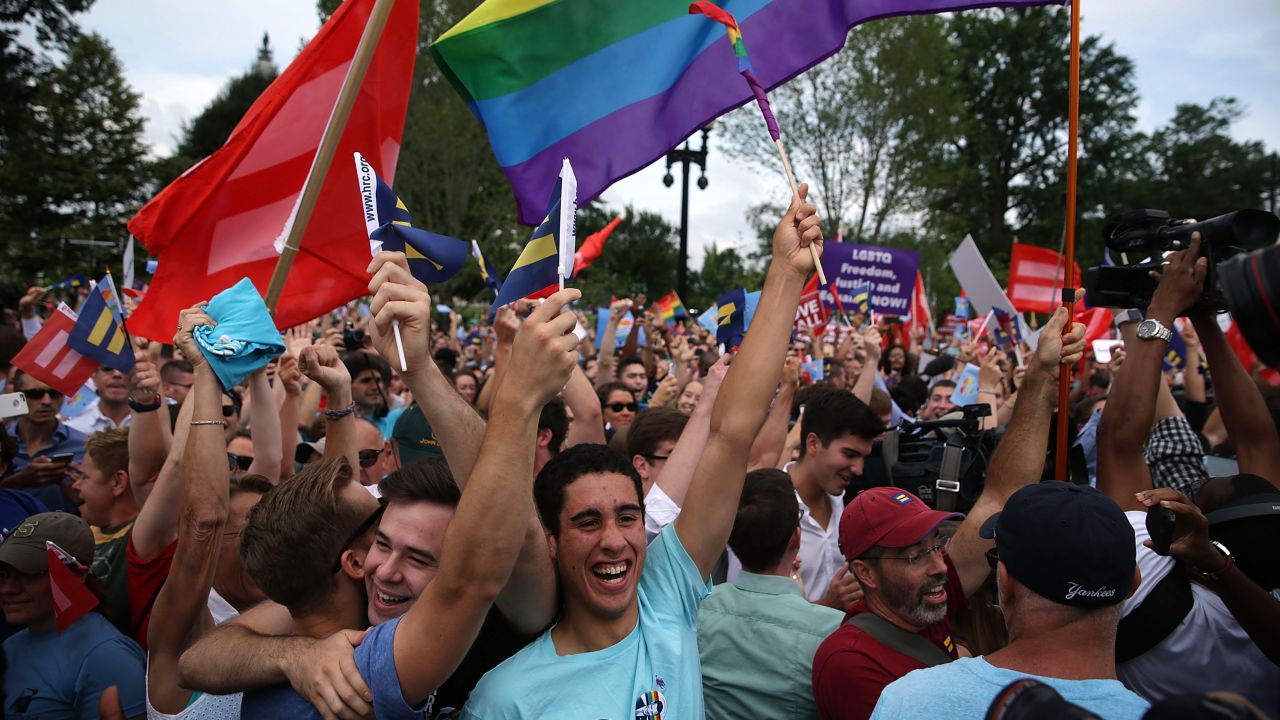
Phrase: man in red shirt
(914, 578)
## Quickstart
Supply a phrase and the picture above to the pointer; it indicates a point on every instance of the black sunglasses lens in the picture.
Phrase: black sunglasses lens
(369, 457)
(40, 394)
(228, 410)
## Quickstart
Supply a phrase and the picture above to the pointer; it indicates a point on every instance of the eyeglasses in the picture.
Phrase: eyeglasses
(181, 385)
(360, 530)
(39, 394)
(656, 458)
(369, 457)
(993, 558)
(228, 410)
(239, 461)
(619, 407)
(919, 556)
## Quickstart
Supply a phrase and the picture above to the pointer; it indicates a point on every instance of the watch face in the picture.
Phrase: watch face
(1147, 329)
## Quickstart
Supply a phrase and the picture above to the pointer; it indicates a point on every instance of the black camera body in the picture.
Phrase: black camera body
(1146, 234)
(352, 339)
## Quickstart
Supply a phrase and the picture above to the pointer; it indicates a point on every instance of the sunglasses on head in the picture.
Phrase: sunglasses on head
(369, 457)
(39, 394)
(619, 407)
(241, 462)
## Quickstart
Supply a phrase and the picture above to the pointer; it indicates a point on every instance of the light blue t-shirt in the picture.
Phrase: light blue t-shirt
(654, 672)
(965, 688)
(375, 659)
(53, 676)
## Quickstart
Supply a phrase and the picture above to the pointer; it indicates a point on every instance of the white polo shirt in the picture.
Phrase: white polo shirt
(820, 556)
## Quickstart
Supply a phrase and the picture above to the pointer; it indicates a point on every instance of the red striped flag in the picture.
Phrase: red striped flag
(49, 359)
(1035, 278)
(72, 600)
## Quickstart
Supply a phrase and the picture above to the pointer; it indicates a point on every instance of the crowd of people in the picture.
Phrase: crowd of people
(529, 521)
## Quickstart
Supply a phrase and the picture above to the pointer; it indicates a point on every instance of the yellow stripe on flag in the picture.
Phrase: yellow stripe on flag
(117, 341)
(724, 313)
(101, 327)
(491, 12)
(539, 249)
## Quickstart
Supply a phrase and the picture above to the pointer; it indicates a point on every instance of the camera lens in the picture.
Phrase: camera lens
(1251, 284)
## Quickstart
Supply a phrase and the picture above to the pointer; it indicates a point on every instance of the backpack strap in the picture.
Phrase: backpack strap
(899, 640)
(1156, 616)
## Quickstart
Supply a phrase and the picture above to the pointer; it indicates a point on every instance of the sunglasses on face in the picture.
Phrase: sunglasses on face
(40, 394)
(242, 462)
(619, 407)
(369, 457)
(228, 410)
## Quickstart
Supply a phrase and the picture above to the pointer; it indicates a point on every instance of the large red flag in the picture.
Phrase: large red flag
(593, 246)
(921, 318)
(48, 358)
(1035, 278)
(71, 599)
(219, 222)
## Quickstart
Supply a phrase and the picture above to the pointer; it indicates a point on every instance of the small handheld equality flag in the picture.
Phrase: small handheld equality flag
(1005, 328)
(97, 333)
(862, 299)
(962, 308)
(490, 277)
(432, 258)
(49, 357)
(547, 260)
(966, 392)
(71, 599)
(762, 98)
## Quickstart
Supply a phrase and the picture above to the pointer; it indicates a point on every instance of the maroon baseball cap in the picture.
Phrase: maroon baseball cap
(889, 517)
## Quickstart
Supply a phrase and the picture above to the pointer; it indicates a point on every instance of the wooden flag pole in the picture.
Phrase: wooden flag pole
(1069, 251)
(328, 146)
(795, 192)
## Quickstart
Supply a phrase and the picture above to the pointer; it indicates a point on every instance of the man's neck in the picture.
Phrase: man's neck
(1076, 651)
(878, 606)
(580, 632)
(34, 433)
(115, 411)
(338, 614)
(121, 513)
(811, 493)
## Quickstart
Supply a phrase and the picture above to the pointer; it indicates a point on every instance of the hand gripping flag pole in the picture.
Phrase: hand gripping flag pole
(762, 99)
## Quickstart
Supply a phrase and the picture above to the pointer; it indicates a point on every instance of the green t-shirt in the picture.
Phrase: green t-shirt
(112, 568)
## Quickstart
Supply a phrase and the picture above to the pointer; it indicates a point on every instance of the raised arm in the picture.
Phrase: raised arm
(1020, 457)
(867, 378)
(289, 379)
(580, 397)
(1244, 411)
(772, 438)
(1131, 404)
(609, 343)
(320, 362)
(479, 553)
(180, 611)
(712, 502)
(265, 422)
(157, 523)
(529, 599)
(149, 436)
(678, 472)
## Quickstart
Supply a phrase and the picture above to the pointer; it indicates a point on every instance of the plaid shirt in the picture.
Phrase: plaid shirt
(1175, 456)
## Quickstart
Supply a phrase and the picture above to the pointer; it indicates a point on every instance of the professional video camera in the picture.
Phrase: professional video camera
(1147, 234)
(943, 462)
(1245, 283)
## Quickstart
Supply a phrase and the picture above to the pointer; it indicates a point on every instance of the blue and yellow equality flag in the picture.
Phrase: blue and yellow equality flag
(432, 258)
(1005, 329)
(536, 273)
(862, 299)
(490, 277)
(734, 311)
(98, 333)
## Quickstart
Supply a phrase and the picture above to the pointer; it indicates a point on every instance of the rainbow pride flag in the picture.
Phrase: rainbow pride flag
(614, 85)
(669, 308)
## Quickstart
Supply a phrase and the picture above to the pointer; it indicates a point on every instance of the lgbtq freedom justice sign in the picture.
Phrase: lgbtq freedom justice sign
(890, 271)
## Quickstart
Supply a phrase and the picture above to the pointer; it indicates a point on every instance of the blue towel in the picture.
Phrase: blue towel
(245, 338)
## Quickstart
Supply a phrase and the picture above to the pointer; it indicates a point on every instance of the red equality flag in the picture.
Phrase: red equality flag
(71, 599)
(593, 246)
(219, 221)
(1035, 278)
(48, 358)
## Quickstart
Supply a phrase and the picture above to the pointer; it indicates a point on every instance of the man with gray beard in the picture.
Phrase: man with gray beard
(915, 575)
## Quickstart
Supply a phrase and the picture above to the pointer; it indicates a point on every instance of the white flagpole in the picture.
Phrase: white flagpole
(368, 190)
(568, 212)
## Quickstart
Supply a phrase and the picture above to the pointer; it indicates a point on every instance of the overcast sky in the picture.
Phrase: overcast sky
(179, 54)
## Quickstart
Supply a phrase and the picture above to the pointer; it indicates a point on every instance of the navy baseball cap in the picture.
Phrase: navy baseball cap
(1068, 543)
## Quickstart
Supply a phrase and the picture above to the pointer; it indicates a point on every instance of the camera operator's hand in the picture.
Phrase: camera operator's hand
(1190, 530)
(1181, 282)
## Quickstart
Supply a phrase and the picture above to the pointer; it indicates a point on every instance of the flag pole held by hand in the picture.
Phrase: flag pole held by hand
(395, 330)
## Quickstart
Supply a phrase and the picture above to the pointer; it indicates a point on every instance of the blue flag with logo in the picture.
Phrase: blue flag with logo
(536, 273)
(99, 335)
(1175, 355)
(862, 298)
(962, 308)
(966, 392)
(1004, 328)
(432, 258)
(734, 311)
(75, 281)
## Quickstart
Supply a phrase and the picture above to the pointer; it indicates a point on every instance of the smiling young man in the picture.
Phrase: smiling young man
(625, 644)
(837, 431)
(915, 578)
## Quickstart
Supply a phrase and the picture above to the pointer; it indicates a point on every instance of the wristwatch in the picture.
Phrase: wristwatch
(1153, 330)
(144, 407)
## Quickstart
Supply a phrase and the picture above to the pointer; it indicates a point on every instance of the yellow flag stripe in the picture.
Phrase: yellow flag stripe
(101, 327)
(537, 249)
(117, 340)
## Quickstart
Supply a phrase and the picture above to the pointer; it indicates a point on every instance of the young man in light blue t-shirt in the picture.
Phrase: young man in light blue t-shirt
(1065, 563)
(625, 645)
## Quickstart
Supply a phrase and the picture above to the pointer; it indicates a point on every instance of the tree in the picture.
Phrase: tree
(1003, 170)
(860, 126)
(81, 174)
(722, 271)
(639, 257)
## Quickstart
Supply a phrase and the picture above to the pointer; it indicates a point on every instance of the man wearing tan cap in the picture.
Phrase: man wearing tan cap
(52, 674)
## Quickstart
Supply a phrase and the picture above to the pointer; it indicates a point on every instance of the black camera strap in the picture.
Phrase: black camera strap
(1156, 616)
(948, 484)
(889, 450)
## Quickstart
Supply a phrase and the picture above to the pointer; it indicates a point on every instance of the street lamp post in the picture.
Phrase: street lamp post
(686, 156)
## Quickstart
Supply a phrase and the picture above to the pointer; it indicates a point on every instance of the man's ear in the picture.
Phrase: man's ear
(552, 546)
(353, 564)
(812, 444)
(120, 483)
(641, 465)
(544, 437)
(866, 574)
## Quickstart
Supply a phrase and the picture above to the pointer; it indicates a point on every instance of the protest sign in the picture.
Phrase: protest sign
(890, 271)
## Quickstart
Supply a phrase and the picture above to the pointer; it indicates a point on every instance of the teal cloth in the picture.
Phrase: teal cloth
(245, 338)
(761, 621)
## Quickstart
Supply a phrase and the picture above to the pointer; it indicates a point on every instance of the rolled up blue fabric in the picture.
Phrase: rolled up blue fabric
(245, 338)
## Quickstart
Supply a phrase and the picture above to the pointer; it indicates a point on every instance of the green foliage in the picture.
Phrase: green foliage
(639, 256)
(78, 173)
